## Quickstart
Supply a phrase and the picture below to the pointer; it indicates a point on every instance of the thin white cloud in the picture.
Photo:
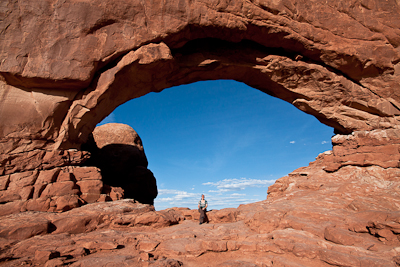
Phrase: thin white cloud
(164, 199)
(226, 193)
(292, 142)
(176, 198)
(229, 201)
(223, 190)
(237, 195)
(109, 119)
(238, 184)
(179, 198)
(227, 147)
(324, 142)
(168, 191)
(179, 195)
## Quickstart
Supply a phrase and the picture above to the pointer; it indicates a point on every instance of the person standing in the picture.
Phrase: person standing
(202, 209)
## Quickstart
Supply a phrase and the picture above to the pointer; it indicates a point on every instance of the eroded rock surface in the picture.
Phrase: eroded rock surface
(312, 217)
(57, 189)
(117, 150)
(70, 64)
(116, 167)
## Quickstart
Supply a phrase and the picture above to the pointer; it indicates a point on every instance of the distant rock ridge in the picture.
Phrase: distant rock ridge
(64, 66)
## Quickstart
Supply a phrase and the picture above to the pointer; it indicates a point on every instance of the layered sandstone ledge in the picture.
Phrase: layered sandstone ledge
(58, 189)
(115, 167)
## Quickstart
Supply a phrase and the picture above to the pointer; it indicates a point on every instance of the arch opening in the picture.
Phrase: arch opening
(221, 138)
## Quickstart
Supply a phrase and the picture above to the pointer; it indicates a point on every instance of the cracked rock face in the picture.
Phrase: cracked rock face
(311, 218)
(336, 60)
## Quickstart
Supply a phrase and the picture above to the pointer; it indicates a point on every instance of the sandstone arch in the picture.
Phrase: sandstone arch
(65, 65)
(70, 64)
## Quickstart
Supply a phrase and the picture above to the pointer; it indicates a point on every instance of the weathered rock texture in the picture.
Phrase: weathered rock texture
(57, 189)
(350, 217)
(118, 151)
(365, 148)
(52, 183)
(65, 65)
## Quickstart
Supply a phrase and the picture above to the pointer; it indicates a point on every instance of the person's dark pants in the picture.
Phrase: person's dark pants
(202, 215)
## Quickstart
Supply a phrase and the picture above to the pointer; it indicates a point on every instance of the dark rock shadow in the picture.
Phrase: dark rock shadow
(124, 166)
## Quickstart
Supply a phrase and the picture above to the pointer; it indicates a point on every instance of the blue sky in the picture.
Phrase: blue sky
(220, 138)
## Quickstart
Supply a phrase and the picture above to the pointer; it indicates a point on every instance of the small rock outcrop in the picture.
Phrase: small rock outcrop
(116, 167)
(117, 150)
(54, 190)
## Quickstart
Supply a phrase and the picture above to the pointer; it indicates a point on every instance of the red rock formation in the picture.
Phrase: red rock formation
(64, 66)
(365, 148)
(118, 151)
(311, 218)
(57, 189)
(338, 61)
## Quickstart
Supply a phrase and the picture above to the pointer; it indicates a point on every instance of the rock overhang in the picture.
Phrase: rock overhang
(279, 45)
(92, 57)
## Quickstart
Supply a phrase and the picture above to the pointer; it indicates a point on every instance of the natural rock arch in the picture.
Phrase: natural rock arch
(310, 87)
(66, 66)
